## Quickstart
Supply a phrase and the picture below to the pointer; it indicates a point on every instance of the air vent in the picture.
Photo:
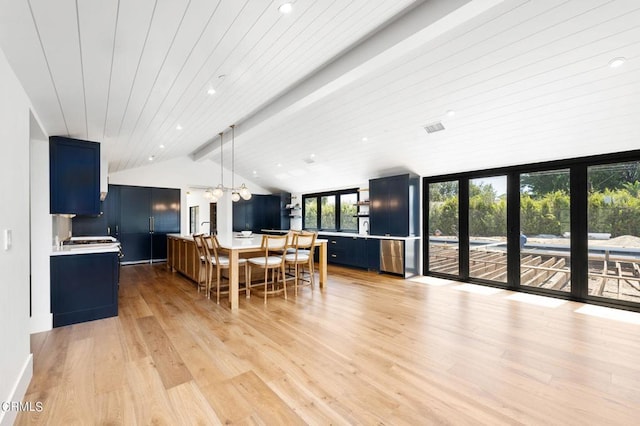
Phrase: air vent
(434, 127)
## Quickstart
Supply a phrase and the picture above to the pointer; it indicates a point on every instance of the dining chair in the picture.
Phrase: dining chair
(215, 260)
(273, 249)
(303, 247)
(203, 271)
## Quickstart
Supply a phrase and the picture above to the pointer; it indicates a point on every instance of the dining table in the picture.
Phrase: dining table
(236, 244)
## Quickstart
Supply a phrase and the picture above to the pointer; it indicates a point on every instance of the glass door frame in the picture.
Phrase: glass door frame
(578, 227)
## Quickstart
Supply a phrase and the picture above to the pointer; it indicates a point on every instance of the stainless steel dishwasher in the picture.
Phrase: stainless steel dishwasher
(392, 256)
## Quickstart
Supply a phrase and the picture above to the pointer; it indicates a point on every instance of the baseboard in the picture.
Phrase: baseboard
(39, 323)
(7, 418)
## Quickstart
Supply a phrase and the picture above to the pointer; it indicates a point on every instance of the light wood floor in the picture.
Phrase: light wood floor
(369, 349)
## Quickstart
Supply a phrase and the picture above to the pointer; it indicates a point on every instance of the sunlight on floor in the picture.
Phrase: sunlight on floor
(610, 313)
(533, 299)
(432, 281)
(478, 289)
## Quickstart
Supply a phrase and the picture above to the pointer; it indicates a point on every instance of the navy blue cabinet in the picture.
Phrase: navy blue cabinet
(147, 215)
(259, 212)
(394, 206)
(74, 176)
(354, 251)
(139, 217)
(84, 287)
(107, 223)
(372, 247)
(135, 223)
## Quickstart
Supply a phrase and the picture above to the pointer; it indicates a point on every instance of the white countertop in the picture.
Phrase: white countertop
(352, 234)
(85, 249)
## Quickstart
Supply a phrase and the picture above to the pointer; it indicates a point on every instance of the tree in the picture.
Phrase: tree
(538, 184)
(441, 191)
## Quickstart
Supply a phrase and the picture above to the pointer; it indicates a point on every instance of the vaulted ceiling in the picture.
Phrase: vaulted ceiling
(335, 92)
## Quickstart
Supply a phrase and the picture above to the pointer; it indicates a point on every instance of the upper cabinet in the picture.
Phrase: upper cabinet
(394, 207)
(74, 176)
(259, 212)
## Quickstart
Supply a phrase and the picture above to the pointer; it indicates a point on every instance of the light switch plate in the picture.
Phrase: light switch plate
(7, 239)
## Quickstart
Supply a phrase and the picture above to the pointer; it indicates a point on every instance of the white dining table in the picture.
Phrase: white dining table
(236, 243)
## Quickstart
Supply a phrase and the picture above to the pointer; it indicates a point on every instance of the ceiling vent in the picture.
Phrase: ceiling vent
(434, 127)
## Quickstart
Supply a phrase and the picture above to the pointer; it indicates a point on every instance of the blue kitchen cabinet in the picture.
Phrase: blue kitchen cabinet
(347, 251)
(74, 176)
(84, 287)
(106, 223)
(257, 213)
(394, 206)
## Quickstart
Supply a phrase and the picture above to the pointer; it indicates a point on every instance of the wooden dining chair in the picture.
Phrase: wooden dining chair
(203, 270)
(219, 262)
(301, 256)
(273, 249)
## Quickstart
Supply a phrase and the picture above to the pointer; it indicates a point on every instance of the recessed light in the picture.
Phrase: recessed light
(178, 127)
(151, 157)
(364, 139)
(161, 146)
(617, 62)
(211, 91)
(312, 156)
(285, 8)
(279, 165)
(451, 113)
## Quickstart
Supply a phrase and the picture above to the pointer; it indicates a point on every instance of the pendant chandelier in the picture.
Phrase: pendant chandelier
(214, 194)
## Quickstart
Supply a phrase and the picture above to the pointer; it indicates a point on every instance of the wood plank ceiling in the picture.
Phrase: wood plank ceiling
(528, 81)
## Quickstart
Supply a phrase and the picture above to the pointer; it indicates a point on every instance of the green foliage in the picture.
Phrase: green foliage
(443, 216)
(614, 211)
(538, 184)
(487, 212)
(347, 216)
(548, 214)
(442, 191)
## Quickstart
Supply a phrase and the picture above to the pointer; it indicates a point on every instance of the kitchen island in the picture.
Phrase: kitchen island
(182, 253)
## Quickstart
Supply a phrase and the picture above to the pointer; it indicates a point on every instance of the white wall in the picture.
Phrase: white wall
(16, 365)
(42, 231)
(188, 175)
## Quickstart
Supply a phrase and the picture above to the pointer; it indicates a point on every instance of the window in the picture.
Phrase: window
(331, 211)
(349, 212)
(310, 213)
(328, 212)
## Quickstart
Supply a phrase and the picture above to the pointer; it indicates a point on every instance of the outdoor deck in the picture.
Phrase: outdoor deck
(611, 276)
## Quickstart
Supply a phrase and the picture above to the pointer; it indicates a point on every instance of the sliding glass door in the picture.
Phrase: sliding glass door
(443, 228)
(545, 230)
(488, 228)
(614, 231)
